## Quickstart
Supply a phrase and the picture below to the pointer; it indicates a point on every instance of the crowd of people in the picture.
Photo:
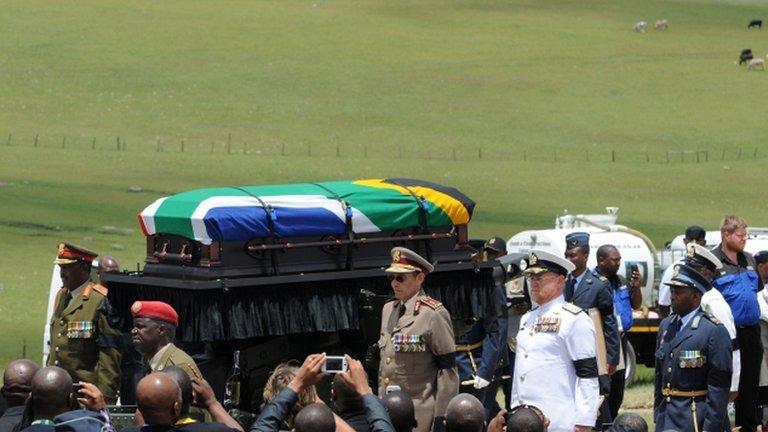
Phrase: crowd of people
(558, 354)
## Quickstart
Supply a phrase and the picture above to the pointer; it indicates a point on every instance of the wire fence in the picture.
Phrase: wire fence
(231, 146)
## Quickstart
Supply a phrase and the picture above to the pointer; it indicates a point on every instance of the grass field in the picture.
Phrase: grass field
(519, 79)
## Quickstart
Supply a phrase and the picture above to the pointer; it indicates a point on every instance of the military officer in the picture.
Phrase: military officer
(482, 351)
(693, 361)
(417, 344)
(712, 302)
(555, 362)
(589, 289)
(82, 340)
(154, 328)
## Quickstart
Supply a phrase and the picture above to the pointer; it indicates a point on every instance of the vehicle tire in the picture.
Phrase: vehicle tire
(630, 362)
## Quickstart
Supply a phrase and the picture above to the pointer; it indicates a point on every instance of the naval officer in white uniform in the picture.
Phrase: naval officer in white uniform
(556, 364)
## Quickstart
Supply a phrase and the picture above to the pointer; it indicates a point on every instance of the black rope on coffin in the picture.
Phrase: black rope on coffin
(422, 203)
(269, 211)
(349, 232)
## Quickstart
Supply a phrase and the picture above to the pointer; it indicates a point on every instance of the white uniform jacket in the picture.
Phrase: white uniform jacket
(714, 303)
(554, 340)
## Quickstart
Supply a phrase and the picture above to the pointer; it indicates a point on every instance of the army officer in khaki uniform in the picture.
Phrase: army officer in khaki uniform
(417, 344)
(82, 341)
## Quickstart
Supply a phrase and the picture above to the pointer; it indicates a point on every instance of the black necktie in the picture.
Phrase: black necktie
(570, 287)
(674, 328)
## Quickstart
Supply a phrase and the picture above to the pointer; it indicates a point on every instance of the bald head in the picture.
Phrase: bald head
(17, 381)
(108, 264)
(524, 419)
(465, 413)
(181, 378)
(51, 392)
(159, 399)
(316, 417)
(400, 407)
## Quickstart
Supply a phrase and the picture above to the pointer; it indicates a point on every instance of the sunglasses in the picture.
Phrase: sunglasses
(398, 278)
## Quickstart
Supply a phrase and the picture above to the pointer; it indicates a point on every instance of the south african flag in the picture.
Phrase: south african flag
(241, 213)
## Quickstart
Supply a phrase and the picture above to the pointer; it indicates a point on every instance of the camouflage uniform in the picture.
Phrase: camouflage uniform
(418, 355)
(83, 342)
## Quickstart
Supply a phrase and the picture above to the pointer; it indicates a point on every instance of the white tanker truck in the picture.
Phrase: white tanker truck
(636, 250)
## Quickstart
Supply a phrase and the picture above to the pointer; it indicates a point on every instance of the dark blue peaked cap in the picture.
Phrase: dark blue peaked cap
(576, 239)
(688, 277)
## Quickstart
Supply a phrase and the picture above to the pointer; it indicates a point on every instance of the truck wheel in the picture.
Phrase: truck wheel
(630, 362)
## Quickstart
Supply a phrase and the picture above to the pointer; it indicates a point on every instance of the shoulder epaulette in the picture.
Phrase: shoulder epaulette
(101, 289)
(432, 303)
(391, 299)
(572, 308)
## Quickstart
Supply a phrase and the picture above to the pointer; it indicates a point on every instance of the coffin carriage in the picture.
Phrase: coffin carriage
(278, 271)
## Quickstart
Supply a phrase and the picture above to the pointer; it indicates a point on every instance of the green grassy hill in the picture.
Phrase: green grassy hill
(530, 98)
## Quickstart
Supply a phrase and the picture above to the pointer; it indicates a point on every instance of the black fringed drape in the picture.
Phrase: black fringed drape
(303, 307)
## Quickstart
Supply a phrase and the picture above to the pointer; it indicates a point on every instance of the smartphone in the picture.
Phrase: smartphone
(392, 388)
(335, 364)
(76, 387)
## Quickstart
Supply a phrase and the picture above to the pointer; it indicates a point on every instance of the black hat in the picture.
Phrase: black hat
(761, 257)
(495, 244)
(686, 276)
(696, 233)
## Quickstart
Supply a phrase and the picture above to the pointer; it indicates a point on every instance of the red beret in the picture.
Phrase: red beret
(155, 309)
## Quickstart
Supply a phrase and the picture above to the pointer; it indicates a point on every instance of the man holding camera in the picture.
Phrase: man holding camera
(417, 344)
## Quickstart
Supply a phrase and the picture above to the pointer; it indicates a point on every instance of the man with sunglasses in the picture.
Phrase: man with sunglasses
(417, 344)
(556, 364)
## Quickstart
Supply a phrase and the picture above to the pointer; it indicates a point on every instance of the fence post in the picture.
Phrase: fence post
(36, 137)
(9, 139)
(706, 155)
(182, 145)
(613, 155)
(480, 154)
(118, 143)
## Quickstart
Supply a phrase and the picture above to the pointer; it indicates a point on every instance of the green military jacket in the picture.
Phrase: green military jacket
(174, 356)
(83, 343)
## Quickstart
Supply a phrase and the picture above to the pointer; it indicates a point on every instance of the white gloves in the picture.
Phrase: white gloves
(480, 383)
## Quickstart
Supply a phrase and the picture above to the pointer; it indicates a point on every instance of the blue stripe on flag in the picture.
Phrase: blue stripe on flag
(245, 223)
